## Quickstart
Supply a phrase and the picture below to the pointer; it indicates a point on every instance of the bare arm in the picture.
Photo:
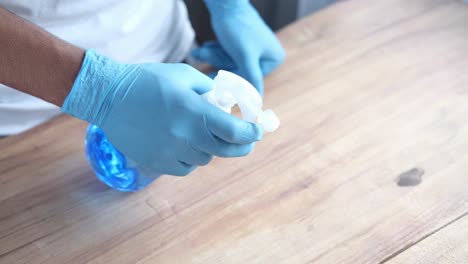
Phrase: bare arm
(36, 62)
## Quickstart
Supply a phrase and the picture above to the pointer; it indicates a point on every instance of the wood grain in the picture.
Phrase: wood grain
(369, 91)
(447, 245)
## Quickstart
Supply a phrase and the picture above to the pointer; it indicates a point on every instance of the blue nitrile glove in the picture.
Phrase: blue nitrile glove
(154, 114)
(247, 46)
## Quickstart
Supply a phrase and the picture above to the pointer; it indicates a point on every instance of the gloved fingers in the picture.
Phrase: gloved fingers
(178, 168)
(199, 82)
(237, 71)
(230, 128)
(220, 148)
(191, 155)
(275, 50)
(268, 65)
(252, 72)
(212, 53)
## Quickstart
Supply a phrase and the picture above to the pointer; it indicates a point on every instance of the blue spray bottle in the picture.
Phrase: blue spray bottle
(121, 173)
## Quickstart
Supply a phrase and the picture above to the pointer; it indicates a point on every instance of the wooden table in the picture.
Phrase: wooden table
(371, 91)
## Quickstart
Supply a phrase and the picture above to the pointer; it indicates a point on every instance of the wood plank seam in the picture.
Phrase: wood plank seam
(409, 245)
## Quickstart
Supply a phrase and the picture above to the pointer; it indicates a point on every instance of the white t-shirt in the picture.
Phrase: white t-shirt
(125, 30)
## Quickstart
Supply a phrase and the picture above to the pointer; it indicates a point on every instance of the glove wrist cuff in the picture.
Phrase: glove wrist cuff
(92, 93)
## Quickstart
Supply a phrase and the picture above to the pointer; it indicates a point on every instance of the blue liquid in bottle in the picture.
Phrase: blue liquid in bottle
(112, 167)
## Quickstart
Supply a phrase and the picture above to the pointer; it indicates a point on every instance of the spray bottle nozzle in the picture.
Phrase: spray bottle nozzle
(230, 89)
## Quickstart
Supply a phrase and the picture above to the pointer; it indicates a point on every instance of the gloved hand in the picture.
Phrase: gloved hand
(247, 46)
(154, 114)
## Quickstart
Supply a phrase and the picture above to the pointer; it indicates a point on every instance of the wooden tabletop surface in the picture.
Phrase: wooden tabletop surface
(369, 166)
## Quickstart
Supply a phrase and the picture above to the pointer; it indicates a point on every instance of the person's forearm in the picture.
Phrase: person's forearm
(36, 62)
